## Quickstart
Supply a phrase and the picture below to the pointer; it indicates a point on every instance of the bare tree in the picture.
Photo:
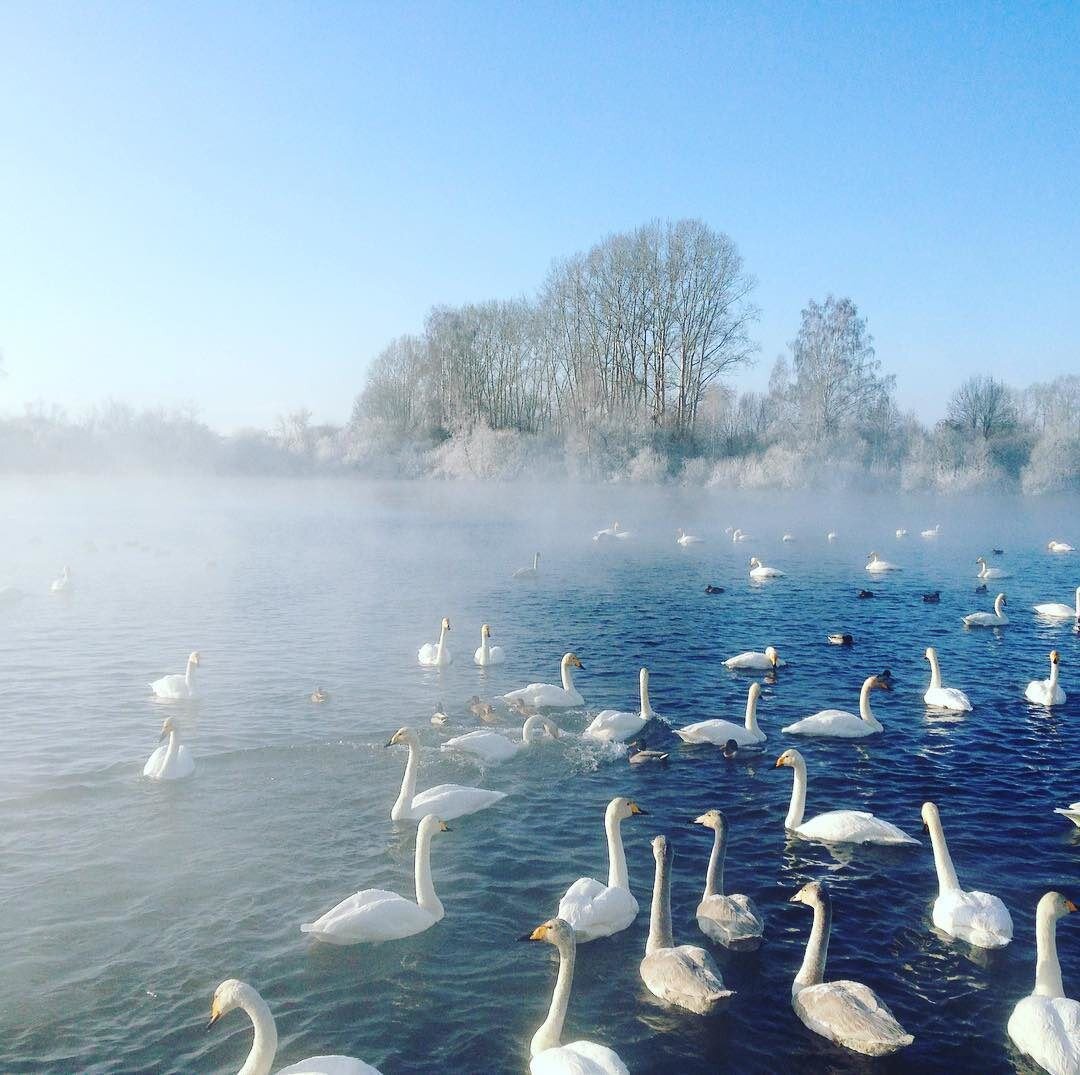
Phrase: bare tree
(983, 407)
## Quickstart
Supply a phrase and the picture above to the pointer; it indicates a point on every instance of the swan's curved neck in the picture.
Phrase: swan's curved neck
(1047, 968)
(536, 560)
(617, 875)
(189, 674)
(714, 875)
(660, 917)
(999, 605)
(865, 711)
(485, 646)
(751, 711)
(1053, 676)
(442, 641)
(567, 675)
(173, 748)
(264, 1046)
(946, 872)
(798, 796)
(984, 571)
(547, 1037)
(812, 971)
(646, 708)
(533, 729)
(935, 670)
(402, 808)
(425, 889)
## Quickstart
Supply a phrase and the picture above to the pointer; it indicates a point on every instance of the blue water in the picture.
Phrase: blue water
(124, 902)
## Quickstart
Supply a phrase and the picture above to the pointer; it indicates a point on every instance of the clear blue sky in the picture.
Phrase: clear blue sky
(239, 204)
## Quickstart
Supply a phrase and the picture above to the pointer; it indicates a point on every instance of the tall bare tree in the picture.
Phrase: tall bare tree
(983, 407)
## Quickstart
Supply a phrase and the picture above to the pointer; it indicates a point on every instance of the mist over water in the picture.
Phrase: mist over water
(126, 902)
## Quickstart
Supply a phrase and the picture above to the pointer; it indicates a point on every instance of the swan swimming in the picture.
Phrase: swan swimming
(435, 654)
(1047, 692)
(988, 572)
(232, 994)
(876, 566)
(492, 747)
(613, 531)
(720, 732)
(1072, 812)
(615, 726)
(487, 653)
(840, 724)
(788, 538)
(848, 1013)
(596, 910)
(547, 695)
(178, 686)
(374, 914)
(976, 917)
(997, 618)
(1056, 611)
(932, 532)
(529, 572)
(1059, 546)
(448, 801)
(171, 760)
(684, 976)
(684, 539)
(1045, 1025)
(733, 921)
(62, 583)
(831, 535)
(739, 535)
(901, 532)
(943, 697)
(758, 570)
(549, 1057)
(751, 659)
(835, 826)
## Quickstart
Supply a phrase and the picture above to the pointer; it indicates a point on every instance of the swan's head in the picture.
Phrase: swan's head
(872, 557)
(643, 677)
(1056, 905)
(774, 657)
(231, 994)
(790, 758)
(573, 660)
(1055, 657)
(980, 560)
(755, 562)
(429, 825)
(754, 693)
(167, 727)
(485, 631)
(930, 653)
(811, 894)
(621, 808)
(662, 850)
(712, 819)
(930, 815)
(1000, 599)
(402, 737)
(679, 532)
(551, 727)
(882, 682)
(552, 931)
(445, 623)
(194, 657)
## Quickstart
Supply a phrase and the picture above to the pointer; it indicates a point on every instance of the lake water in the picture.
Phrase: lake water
(126, 902)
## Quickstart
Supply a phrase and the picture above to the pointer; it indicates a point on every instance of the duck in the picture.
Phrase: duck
(835, 826)
(847, 1013)
(943, 697)
(720, 732)
(685, 975)
(684, 539)
(932, 598)
(981, 588)
(638, 753)
(516, 705)
(232, 994)
(876, 566)
(753, 660)
(987, 572)
(435, 654)
(61, 584)
(714, 589)
(865, 594)
(616, 726)
(758, 570)
(374, 915)
(731, 749)
(613, 531)
(487, 654)
(547, 695)
(492, 747)
(1072, 812)
(591, 908)
(529, 572)
(1058, 611)
(178, 686)
(841, 640)
(733, 921)
(839, 723)
(1059, 546)
(171, 760)
(1045, 1025)
(978, 918)
(1047, 692)
(997, 552)
(318, 696)
(439, 717)
(997, 618)
(931, 532)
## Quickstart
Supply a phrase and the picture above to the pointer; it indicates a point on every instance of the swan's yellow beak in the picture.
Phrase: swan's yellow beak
(781, 761)
(1070, 906)
(538, 934)
(635, 809)
(443, 827)
(215, 1013)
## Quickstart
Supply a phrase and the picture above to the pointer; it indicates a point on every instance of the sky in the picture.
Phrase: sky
(237, 205)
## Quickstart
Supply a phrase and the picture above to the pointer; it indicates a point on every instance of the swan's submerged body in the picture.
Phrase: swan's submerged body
(752, 660)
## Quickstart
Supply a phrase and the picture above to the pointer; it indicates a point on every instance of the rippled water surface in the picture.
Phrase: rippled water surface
(125, 902)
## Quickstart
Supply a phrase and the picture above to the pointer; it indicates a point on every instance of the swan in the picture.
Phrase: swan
(529, 572)
(835, 826)
(987, 572)
(685, 539)
(1045, 1025)
(616, 726)
(932, 532)
(733, 921)
(788, 538)
(594, 909)
(753, 660)
(901, 532)
(435, 654)
(1059, 546)
(448, 801)
(439, 717)
(318, 696)
(547, 695)
(976, 917)
(875, 565)
(613, 531)
(685, 976)
(719, 732)
(1047, 692)
(758, 570)
(171, 760)
(62, 583)
(831, 535)
(739, 535)
(1072, 812)
(233, 994)
(579, 1057)
(377, 915)
(943, 697)
(1056, 611)
(492, 747)
(840, 724)
(178, 686)
(847, 1013)
(997, 618)
(487, 653)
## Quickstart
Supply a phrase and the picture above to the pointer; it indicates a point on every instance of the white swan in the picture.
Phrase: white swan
(848, 1013)
(976, 917)
(178, 686)
(492, 747)
(831, 535)
(1047, 692)
(445, 800)
(1045, 1025)
(1057, 611)
(684, 539)
(549, 1057)
(733, 921)
(62, 583)
(594, 909)
(684, 976)
(997, 618)
(616, 726)
(435, 654)
(788, 538)
(932, 532)
(901, 532)
(547, 695)
(233, 994)
(718, 732)
(1059, 546)
(487, 653)
(839, 723)
(529, 572)
(757, 661)
(739, 535)
(836, 826)
(1072, 812)
(613, 531)
(171, 760)
(943, 697)
(758, 570)
(374, 914)
(988, 572)
(876, 566)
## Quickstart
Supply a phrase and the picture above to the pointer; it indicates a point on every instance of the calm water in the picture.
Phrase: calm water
(125, 902)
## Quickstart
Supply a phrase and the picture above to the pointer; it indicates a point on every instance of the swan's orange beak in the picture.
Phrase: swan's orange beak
(1070, 906)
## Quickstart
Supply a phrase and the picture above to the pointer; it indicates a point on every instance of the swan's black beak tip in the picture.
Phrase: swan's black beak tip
(525, 937)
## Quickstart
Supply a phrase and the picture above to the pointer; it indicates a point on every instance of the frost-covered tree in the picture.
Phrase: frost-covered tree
(983, 407)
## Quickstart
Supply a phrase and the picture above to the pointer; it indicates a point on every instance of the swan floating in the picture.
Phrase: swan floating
(733, 921)
(943, 697)
(839, 723)
(374, 914)
(751, 659)
(831, 535)
(901, 532)
(684, 539)
(758, 570)
(988, 572)
(788, 538)
(171, 760)
(232, 994)
(493, 747)
(1072, 812)
(435, 654)
(997, 618)
(684, 976)
(1059, 546)
(318, 696)
(529, 572)
(447, 801)
(847, 1013)
(1045, 1025)
(439, 717)
(62, 583)
(932, 532)
(487, 653)
(596, 910)
(579, 1057)
(739, 535)
(616, 726)
(178, 686)
(613, 531)
(547, 695)
(1047, 692)
(876, 566)
(835, 826)
(976, 917)
(720, 732)
(1057, 611)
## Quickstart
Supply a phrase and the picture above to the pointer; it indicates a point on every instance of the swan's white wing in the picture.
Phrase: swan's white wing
(836, 723)
(685, 976)
(730, 919)
(181, 766)
(613, 725)
(595, 910)
(485, 744)
(852, 827)
(748, 659)
(850, 1014)
(545, 696)
(372, 915)
(947, 698)
(718, 732)
(330, 1065)
(1072, 813)
(986, 619)
(429, 654)
(1048, 1030)
(578, 1058)
(174, 686)
(495, 656)
(1056, 611)
(976, 917)
(449, 801)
